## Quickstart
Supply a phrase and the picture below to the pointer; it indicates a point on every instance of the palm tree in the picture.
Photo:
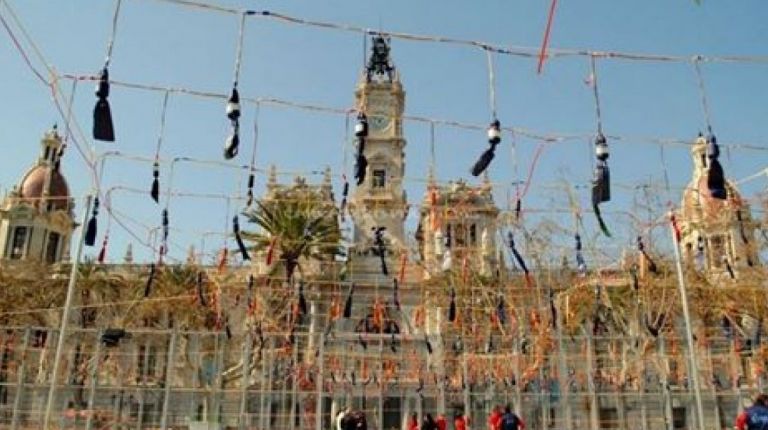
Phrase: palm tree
(296, 228)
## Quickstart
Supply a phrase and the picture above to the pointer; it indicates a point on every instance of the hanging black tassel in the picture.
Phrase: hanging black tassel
(729, 268)
(501, 311)
(233, 105)
(452, 307)
(715, 175)
(166, 226)
(361, 163)
(361, 127)
(303, 310)
(651, 264)
(396, 293)
(552, 308)
(227, 330)
(581, 264)
(90, 232)
(200, 290)
(600, 221)
(378, 234)
(251, 180)
(232, 145)
(485, 159)
(494, 138)
(601, 184)
(428, 344)
(344, 195)
(155, 191)
(393, 343)
(348, 303)
(518, 208)
(239, 239)
(518, 257)
(150, 280)
(103, 128)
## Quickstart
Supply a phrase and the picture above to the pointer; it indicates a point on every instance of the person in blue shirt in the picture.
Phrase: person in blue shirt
(754, 417)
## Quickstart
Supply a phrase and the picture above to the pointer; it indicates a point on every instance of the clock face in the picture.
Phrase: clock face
(379, 122)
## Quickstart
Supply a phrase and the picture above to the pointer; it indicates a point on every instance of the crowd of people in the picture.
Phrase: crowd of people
(498, 420)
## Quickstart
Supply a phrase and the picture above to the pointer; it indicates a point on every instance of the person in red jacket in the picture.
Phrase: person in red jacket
(494, 420)
(460, 422)
(413, 422)
(754, 417)
(441, 423)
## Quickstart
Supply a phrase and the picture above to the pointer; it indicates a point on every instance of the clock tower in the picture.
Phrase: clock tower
(380, 201)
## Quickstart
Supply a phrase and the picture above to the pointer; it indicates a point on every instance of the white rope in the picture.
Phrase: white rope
(593, 79)
(161, 133)
(239, 48)
(702, 93)
(491, 84)
(111, 42)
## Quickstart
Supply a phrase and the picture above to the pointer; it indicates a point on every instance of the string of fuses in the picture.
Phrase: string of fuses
(601, 188)
(266, 285)
(545, 139)
(233, 103)
(519, 51)
(67, 115)
(550, 137)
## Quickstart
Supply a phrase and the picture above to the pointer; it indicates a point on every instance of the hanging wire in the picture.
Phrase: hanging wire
(68, 120)
(593, 81)
(520, 51)
(491, 84)
(432, 157)
(345, 145)
(111, 42)
(161, 132)
(239, 48)
(666, 172)
(252, 166)
(702, 93)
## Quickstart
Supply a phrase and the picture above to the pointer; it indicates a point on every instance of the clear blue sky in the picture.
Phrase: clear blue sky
(168, 45)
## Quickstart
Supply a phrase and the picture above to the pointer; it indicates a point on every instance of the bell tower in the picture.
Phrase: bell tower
(379, 200)
(717, 235)
(36, 219)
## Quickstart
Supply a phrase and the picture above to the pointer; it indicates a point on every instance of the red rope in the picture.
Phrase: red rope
(545, 43)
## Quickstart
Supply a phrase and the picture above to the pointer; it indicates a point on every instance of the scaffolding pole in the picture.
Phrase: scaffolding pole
(92, 383)
(20, 380)
(244, 382)
(65, 314)
(320, 379)
(168, 380)
(694, 371)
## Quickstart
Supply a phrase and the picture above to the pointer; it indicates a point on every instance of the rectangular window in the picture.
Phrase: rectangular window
(609, 418)
(147, 364)
(379, 178)
(679, 418)
(717, 247)
(52, 247)
(18, 243)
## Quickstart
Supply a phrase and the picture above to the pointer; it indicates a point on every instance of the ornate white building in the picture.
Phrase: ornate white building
(715, 233)
(36, 218)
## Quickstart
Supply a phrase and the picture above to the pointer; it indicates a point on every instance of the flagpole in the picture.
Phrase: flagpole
(65, 314)
(693, 375)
